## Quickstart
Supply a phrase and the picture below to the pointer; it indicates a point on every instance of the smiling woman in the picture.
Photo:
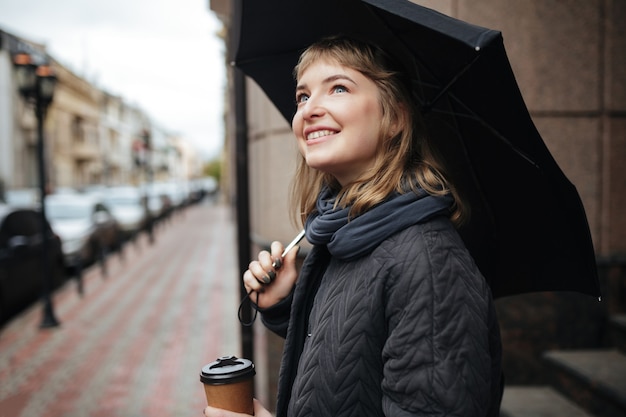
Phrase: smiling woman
(338, 120)
(387, 135)
(390, 315)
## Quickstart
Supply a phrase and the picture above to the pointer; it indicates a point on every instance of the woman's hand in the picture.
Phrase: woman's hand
(271, 276)
(259, 411)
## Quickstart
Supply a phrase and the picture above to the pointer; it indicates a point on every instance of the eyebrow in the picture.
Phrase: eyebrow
(328, 80)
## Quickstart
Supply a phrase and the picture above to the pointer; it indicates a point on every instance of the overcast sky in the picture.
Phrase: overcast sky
(162, 55)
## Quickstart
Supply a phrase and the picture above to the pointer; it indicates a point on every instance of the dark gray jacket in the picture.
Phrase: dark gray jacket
(409, 330)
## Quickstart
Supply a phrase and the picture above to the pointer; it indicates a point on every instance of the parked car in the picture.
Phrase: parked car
(128, 206)
(156, 202)
(202, 187)
(22, 198)
(175, 191)
(87, 229)
(21, 269)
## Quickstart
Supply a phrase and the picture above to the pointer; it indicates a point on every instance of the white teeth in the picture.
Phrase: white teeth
(319, 134)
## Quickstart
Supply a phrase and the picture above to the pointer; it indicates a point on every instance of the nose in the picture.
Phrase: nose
(313, 108)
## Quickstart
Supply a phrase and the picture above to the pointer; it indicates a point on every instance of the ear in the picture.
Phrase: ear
(400, 119)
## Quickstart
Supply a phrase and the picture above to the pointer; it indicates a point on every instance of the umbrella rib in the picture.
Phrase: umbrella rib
(427, 106)
(473, 116)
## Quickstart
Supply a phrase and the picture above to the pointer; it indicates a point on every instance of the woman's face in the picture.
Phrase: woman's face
(337, 123)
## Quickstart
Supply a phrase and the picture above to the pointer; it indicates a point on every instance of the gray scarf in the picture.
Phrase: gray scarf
(350, 239)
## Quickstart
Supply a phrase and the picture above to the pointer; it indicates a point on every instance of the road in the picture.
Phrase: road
(134, 343)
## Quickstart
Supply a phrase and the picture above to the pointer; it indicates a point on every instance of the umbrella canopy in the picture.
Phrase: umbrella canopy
(528, 230)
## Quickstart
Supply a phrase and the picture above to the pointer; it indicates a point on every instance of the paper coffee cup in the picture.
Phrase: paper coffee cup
(228, 384)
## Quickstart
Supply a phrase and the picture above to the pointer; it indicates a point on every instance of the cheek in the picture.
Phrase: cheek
(301, 147)
(296, 128)
(296, 125)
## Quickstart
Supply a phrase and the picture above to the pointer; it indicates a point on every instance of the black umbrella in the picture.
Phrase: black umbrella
(528, 230)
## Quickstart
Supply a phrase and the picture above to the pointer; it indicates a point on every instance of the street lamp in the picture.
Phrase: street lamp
(36, 84)
(147, 142)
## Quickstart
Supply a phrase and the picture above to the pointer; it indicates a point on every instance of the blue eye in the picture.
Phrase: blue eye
(301, 98)
(340, 89)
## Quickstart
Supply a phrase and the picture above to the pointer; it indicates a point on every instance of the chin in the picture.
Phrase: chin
(318, 164)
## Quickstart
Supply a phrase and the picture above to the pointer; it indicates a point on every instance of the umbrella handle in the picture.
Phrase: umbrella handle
(279, 262)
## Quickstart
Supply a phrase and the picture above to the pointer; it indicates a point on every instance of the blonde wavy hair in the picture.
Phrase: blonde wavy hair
(405, 161)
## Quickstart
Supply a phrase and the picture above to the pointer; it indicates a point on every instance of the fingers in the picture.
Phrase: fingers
(277, 258)
(262, 268)
(262, 271)
(259, 411)
(271, 275)
(278, 263)
(251, 282)
(218, 412)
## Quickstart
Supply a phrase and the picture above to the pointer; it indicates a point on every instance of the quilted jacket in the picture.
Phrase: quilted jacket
(409, 330)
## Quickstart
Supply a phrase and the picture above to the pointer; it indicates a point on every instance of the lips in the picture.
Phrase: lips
(319, 133)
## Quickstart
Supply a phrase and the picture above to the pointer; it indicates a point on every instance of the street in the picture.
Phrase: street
(134, 343)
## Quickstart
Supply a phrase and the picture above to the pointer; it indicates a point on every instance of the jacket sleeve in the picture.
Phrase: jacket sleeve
(276, 317)
(437, 358)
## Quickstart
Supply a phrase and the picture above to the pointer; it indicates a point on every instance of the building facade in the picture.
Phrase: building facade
(91, 137)
(73, 140)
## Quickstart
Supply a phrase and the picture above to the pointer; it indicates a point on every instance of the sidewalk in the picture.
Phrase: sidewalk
(134, 344)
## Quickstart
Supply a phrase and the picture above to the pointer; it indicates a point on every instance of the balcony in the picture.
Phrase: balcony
(85, 152)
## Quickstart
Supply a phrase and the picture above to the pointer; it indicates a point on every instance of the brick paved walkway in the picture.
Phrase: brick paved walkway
(134, 344)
